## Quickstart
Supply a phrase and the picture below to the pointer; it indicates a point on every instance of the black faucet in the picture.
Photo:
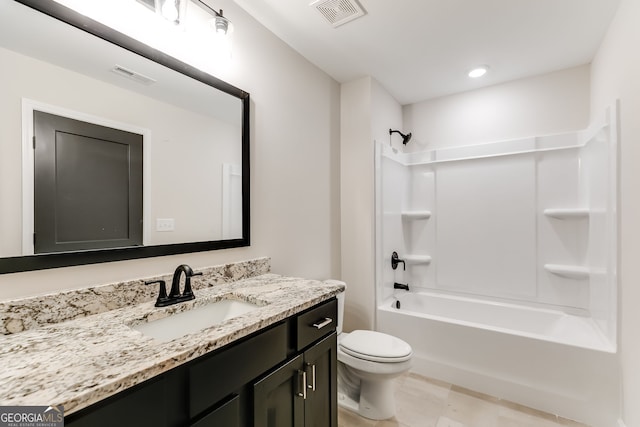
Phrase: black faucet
(397, 285)
(175, 296)
(187, 294)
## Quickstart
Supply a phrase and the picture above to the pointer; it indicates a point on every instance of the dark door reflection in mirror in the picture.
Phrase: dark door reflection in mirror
(195, 133)
(88, 186)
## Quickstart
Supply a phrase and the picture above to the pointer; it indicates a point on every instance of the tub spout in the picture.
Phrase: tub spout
(397, 285)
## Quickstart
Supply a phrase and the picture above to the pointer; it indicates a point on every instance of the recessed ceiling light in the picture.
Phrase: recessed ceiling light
(478, 71)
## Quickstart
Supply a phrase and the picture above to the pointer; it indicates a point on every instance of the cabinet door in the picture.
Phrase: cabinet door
(278, 397)
(320, 363)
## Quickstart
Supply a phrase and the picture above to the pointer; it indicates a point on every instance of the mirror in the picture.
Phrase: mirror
(195, 131)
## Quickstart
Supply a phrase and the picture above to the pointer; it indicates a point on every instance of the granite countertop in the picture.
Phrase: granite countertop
(82, 361)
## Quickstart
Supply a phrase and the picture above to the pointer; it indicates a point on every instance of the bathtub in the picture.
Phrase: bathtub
(541, 358)
(537, 323)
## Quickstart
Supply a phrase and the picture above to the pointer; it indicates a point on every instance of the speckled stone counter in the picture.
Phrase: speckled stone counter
(82, 361)
(27, 313)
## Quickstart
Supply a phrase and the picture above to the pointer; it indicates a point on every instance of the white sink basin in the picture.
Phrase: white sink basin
(190, 321)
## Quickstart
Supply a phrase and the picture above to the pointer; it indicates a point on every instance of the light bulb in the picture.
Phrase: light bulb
(221, 24)
(170, 10)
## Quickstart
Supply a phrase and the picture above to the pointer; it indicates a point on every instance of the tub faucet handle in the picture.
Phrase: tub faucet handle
(397, 285)
(395, 260)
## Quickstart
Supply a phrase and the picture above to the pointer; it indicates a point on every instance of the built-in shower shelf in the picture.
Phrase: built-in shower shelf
(569, 271)
(417, 259)
(575, 213)
(416, 214)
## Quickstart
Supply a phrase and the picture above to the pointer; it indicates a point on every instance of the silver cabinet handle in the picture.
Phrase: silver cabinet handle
(303, 393)
(321, 324)
(312, 386)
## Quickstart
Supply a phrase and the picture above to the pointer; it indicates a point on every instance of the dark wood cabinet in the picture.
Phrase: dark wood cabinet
(322, 388)
(278, 397)
(227, 415)
(211, 378)
(137, 406)
(282, 376)
(302, 392)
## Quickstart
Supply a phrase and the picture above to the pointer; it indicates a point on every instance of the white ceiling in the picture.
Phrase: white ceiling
(421, 49)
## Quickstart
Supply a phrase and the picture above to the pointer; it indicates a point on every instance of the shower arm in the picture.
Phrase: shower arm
(405, 138)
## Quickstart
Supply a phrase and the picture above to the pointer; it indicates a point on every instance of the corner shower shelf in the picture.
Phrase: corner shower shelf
(575, 213)
(416, 214)
(569, 271)
(417, 259)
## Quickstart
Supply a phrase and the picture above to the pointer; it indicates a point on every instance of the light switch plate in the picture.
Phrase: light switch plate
(165, 224)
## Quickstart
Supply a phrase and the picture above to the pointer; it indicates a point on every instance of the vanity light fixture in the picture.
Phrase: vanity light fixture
(220, 23)
(478, 71)
(170, 11)
(175, 10)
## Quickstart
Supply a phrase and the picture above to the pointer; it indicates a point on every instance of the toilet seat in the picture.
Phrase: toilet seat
(376, 347)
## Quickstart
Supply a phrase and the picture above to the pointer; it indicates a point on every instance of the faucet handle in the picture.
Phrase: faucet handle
(162, 299)
(395, 260)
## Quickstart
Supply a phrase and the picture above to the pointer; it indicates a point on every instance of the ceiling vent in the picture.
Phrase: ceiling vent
(133, 75)
(339, 12)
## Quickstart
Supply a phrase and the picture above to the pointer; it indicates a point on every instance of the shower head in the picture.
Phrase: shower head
(405, 138)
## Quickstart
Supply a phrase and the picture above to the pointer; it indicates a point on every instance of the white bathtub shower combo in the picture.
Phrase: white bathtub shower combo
(509, 253)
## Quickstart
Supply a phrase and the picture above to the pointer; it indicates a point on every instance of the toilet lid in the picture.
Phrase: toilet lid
(375, 346)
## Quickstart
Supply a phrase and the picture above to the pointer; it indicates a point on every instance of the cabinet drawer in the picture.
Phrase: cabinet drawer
(316, 323)
(217, 376)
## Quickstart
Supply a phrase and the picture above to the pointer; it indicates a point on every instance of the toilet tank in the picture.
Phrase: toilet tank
(340, 298)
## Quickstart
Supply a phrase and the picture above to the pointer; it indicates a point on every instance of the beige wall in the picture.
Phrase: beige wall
(367, 113)
(615, 72)
(356, 203)
(294, 172)
(550, 103)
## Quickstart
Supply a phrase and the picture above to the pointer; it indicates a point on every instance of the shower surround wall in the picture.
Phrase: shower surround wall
(525, 228)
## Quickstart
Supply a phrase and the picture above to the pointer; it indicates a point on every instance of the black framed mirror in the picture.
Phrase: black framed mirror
(195, 128)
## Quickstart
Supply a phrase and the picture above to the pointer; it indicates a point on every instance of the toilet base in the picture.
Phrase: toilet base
(376, 399)
(366, 387)
(347, 403)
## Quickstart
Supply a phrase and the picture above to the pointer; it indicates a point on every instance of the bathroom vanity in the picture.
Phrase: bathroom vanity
(284, 375)
(274, 366)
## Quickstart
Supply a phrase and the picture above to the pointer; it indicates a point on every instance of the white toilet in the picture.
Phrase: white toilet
(368, 361)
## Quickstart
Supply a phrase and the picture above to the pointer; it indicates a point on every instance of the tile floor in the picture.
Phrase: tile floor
(422, 402)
